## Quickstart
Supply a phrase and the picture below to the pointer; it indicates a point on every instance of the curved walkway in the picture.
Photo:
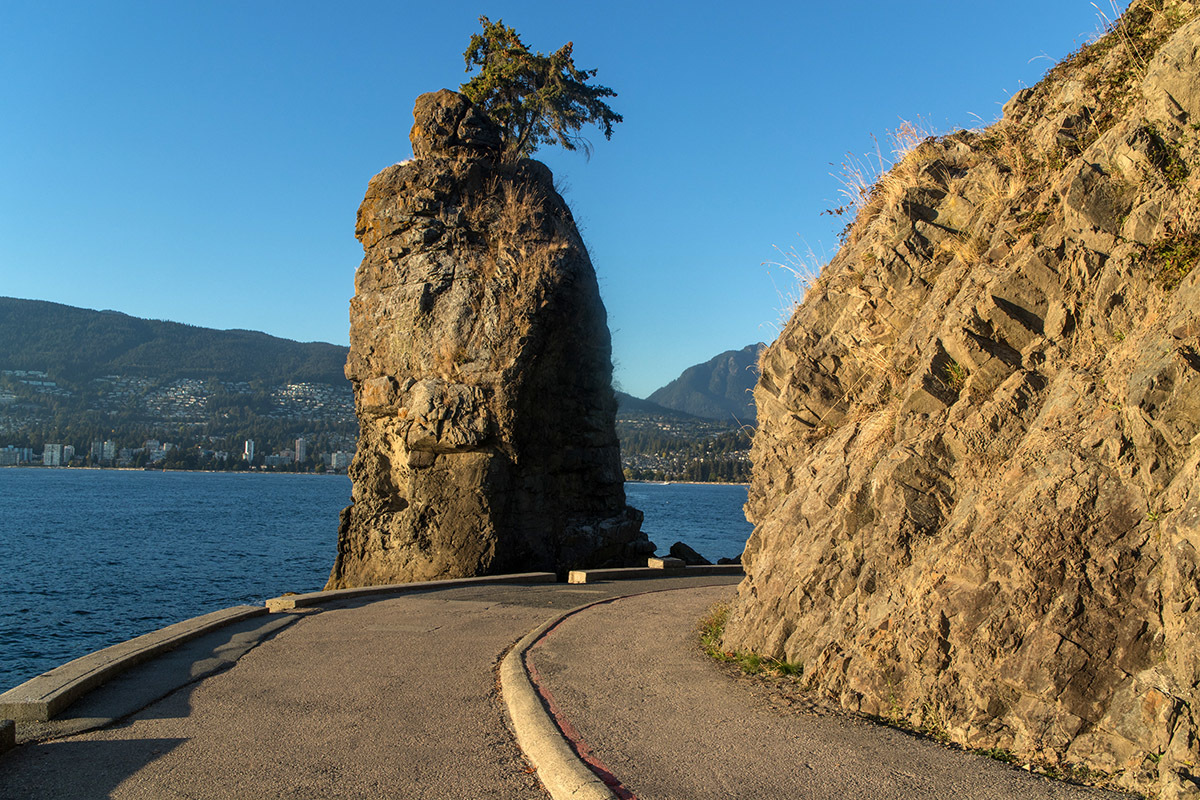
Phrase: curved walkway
(398, 698)
(383, 698)
(628, 678)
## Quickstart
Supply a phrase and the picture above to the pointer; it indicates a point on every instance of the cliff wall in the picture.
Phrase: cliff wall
(976, 479)
(481, 364)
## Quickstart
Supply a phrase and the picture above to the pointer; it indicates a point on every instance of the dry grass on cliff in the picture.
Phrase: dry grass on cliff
(873, 182)
(520, 207)
(966, 248)
(516, 218)
(803, 271)
(1110, 67)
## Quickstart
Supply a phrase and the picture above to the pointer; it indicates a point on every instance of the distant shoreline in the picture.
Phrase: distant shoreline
(196, 471)
(285, 472)
(268, 471)
(689, 483)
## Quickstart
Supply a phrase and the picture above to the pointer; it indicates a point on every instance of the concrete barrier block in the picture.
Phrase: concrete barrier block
(290, 601)
(630, 573)
(8, 735)
(666, 562)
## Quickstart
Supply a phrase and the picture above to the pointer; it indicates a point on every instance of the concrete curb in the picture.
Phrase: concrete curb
(560, 770)
(628, 573)
(41, 698)
(289, 601)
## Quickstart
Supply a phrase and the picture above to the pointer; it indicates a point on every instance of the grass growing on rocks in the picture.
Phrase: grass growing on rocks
(791, 696)
(1171, 261)
(712, 626)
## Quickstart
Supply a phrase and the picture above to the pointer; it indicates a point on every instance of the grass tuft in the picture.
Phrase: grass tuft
(874, 181)
(804, 270)
(712, 626)
(999, 754)
(956, 376)
(1172, 260)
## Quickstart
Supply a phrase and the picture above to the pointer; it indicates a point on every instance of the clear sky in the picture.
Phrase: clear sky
(203, 161)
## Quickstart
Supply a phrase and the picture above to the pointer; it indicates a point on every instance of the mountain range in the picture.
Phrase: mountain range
(78, 344)
(75, 375)
(721, 388)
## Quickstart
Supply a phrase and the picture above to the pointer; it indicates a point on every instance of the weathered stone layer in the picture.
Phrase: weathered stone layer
(977, 473)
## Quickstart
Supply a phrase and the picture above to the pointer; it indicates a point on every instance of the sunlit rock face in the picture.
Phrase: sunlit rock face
(481, 363)
(977, 473)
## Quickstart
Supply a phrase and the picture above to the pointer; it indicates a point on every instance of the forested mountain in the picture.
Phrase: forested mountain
(659, 443)
(75, 376)
(78, 344)
(721, 388)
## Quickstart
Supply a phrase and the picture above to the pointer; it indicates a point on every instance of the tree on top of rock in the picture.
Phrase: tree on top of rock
(536, 99)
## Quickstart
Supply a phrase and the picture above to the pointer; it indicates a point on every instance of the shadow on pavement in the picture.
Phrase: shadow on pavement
(145, 684)
(92, 769)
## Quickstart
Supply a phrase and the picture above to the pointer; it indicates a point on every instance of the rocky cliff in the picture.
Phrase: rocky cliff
(977, 473)
(481, 364)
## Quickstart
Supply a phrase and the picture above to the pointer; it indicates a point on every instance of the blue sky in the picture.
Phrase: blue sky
(203, 161)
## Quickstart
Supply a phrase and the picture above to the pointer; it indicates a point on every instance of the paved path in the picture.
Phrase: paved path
(672, 727)
(397, 698)
(394, 698)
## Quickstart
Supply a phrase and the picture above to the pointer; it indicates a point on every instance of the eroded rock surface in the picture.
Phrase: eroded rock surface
(481, 363)
(977, 473)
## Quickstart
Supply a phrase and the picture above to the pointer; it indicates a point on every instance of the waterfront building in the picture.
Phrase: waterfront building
(52, 455)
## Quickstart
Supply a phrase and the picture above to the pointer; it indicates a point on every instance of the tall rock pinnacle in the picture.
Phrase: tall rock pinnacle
(481, 363)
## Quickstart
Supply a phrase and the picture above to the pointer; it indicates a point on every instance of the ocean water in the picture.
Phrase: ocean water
(93, 557)
(708, 517)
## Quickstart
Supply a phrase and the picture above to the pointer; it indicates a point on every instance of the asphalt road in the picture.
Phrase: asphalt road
(629, 678)
(398, 698)
(394, 698)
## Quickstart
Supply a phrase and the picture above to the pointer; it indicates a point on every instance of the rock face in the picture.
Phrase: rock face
(481, 363)
(977, 471)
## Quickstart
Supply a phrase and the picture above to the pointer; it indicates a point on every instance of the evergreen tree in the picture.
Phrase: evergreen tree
(536, 99)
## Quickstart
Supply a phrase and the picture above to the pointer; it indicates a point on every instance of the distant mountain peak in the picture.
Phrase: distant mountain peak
(720, 388)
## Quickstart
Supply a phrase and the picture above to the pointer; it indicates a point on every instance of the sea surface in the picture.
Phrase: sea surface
(708, 517)
(90, 558)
